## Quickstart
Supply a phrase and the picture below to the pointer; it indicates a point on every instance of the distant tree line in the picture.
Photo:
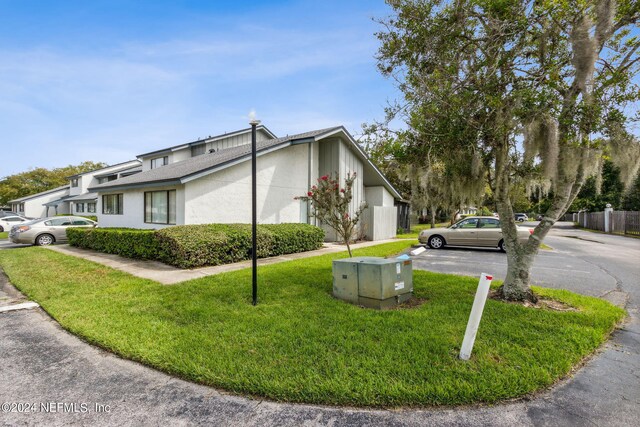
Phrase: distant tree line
(41, 179)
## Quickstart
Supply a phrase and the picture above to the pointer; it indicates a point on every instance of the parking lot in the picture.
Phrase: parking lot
(580, 261)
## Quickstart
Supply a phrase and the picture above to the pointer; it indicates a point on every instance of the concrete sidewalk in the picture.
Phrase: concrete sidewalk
(169, 275)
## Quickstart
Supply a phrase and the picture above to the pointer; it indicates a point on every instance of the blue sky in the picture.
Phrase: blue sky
(106, 80)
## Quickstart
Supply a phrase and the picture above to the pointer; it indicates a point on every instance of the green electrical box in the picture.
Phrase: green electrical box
(373, 282)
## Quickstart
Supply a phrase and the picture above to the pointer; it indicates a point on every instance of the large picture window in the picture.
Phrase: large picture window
(160, 207)
(112, 204)
(159, 161)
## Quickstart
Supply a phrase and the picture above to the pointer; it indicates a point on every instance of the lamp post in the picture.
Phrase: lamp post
(254, 237)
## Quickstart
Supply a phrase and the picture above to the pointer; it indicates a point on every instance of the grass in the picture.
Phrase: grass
(299, 344)
(417, 228)
(4, 235)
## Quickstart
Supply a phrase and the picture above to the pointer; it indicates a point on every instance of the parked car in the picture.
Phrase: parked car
(47, 231)
(521, 217)
(7, 213)
(473, 231)
(6, 222)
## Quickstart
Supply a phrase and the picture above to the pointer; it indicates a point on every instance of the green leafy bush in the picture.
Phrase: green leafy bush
(127, 242)
(189, 246)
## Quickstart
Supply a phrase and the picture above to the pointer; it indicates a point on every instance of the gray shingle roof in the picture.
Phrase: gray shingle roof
(174, 172)
(31, 196)
(84, 196)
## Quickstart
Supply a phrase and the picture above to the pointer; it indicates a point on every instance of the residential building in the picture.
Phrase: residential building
(35, 205)
(209, 181)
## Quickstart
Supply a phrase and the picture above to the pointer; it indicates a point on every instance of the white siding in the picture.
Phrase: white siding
(379, 222)
(378, 196)
(225, 196)
(133, 209)
(34, 208)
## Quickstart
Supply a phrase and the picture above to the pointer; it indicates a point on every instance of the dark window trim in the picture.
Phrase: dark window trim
(120, 201)
(165, 161)
(74, 182)
(144, 213)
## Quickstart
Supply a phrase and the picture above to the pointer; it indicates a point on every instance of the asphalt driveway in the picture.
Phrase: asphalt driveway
(60, 380)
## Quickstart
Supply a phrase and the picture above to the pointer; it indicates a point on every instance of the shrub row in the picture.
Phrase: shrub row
(127, 242)
(189, 246)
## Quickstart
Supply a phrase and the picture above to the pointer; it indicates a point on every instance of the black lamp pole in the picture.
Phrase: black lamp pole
(254, 216)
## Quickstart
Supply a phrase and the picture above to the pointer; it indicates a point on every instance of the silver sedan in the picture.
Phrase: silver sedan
(472, 231)
(47, 231)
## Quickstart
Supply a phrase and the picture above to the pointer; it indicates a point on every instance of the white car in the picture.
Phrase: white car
(9, 221)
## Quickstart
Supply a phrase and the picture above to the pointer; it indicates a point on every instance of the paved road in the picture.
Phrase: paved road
(42, 363)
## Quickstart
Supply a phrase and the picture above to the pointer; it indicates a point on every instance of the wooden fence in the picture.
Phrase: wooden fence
(618, 222)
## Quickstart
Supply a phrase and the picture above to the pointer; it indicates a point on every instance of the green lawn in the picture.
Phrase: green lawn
(301, 345)
(4, 235)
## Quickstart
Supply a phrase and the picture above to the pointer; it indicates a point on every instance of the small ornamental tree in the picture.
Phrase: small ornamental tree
(331, 204)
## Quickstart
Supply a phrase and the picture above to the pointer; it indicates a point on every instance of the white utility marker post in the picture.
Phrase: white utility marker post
(476, 314)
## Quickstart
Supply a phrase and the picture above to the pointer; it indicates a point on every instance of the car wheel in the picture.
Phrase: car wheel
(436, 242)
(502, 246)
(45, 240)
(1, 229)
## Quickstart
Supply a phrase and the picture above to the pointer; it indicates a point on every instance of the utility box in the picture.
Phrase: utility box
(373, 282)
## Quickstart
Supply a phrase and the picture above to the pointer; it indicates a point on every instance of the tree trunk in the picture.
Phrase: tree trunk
(516, 285)
(433, 217)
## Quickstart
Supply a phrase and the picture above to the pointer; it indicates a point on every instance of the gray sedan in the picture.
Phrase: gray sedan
(47, 231)
(472, 231)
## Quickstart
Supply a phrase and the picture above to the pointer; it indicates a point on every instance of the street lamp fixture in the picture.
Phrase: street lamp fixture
(254, 217)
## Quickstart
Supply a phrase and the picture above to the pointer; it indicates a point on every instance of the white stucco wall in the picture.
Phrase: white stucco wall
(34, 208)
(225, 196)
(378, 196)
(133, 209)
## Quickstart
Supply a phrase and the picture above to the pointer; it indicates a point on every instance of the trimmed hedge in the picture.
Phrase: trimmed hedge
(127, 242)
(189, 246)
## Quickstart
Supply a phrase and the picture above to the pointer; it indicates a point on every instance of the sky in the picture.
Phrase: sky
(107, 80)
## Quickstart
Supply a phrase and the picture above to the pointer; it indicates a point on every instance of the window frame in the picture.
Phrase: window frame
(91, 207)
(119, 204)
(198, 150)
(74, 182)
(165, 162)
(80, 207)
(167, 193)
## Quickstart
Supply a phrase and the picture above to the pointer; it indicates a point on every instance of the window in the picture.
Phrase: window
(74, 182)
(112, 204)
(104, 179)
(91, 207)
(13, 219)
(468, 223)
(489, 223)
(160, 207)
(159, 161)
(197, 150)
(21, 207)
(78, 221)
(57, 222)
(79, 207)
